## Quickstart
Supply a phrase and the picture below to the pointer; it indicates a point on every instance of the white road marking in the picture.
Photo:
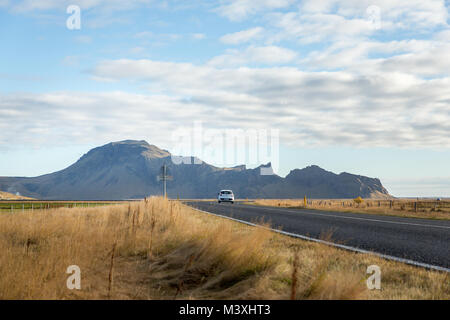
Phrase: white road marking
(341, 246)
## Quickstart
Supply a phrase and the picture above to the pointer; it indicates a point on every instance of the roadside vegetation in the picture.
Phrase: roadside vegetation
(160, 249)
(426, 209)
(22, 205)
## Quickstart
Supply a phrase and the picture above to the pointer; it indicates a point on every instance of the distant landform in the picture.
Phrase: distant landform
(129, 170)
(10, 196)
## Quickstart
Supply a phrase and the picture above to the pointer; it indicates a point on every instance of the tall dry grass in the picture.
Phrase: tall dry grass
(176, 248)
(159, 249)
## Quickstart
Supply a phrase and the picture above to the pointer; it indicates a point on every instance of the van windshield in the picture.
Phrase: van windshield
(225, 192)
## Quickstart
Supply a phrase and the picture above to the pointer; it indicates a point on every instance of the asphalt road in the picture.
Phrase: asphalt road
(421, 240)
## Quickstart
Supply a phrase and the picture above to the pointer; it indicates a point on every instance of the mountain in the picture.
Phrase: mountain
(129, 170)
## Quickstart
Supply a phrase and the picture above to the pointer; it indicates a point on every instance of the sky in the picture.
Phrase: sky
(352, 86)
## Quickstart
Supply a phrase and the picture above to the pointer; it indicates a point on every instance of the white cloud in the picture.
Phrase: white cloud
(319, 27)
(416, 57)
(70, 61)
(83, 39)
(333, 20)
(87, 117)
(387, 109)
(157, 37)
(240, 9)
(241, 36)
(270, 55)
(137, 50)
(353, 89)
(198, 36)
(309, 108)
(41, 5)
(442, 36)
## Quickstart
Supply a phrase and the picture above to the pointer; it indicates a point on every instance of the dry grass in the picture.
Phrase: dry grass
(165, 250)
(425, 209)
(10, 196)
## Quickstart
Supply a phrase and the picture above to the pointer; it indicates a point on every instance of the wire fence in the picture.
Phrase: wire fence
(17, 206)
(395, 204)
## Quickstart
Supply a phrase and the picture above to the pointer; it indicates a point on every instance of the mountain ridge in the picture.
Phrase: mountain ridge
(128, 169)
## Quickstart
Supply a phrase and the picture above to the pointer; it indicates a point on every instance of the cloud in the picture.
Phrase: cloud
(137, 50)
(421, 58)
(83, 39)
(309, 108)
(42, 5)
(70, 61)
(236, 10)
(270, 55)
(387, 109)
(198, 36)
(350, 83)
(442, 36)
(94, 13)
(241, 36)
(87, 117)
(312, 28)
(332, 20)
(157, 38)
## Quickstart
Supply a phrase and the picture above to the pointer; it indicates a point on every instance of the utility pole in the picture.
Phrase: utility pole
(164, 177)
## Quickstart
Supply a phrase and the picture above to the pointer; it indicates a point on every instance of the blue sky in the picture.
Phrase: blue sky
(355, 86)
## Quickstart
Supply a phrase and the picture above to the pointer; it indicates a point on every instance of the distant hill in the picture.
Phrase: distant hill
(129, 169)
(10, 196)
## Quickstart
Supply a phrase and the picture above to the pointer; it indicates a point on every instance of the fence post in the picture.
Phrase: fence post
(415, 206)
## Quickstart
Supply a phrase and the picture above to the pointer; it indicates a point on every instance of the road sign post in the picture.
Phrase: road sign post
(164, 177)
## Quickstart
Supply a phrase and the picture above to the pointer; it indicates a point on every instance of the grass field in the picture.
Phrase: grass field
(21, 205)
(159, 249)
(9, 196)
(429, 209)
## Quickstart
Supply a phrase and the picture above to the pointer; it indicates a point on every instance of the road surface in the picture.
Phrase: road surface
(424, 241)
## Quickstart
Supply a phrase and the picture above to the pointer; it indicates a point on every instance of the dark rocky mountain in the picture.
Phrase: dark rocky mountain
(129, 169)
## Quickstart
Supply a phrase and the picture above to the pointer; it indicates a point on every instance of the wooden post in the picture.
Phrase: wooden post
(415, 206)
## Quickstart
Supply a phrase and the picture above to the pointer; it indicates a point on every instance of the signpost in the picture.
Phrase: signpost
(164, 177)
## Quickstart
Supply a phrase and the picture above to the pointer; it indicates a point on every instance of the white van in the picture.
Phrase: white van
(225, 196)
